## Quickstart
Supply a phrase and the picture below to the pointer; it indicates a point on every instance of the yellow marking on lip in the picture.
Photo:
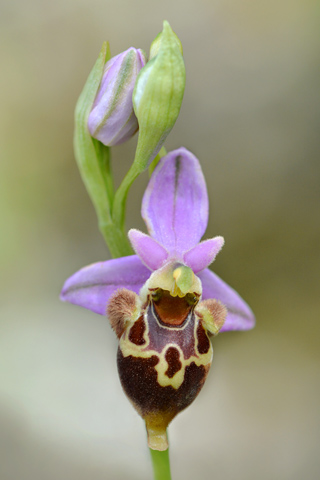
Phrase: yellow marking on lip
(141, 351)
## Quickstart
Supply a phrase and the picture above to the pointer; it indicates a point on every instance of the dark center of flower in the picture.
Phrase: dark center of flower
(173, 310)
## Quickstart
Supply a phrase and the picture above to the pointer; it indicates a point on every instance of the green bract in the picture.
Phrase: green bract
(157, 95)
(84, 145)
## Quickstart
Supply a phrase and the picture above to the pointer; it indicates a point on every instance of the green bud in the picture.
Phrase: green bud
(157, 95)
(155, 45)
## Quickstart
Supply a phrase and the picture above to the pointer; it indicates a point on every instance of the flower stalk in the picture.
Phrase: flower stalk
(160, 464)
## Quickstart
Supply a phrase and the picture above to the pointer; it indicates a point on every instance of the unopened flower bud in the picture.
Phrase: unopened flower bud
(158, 94)
(112, 119)
(155, 45)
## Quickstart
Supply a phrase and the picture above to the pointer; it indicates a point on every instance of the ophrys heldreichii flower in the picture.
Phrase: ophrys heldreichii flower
(163, 302)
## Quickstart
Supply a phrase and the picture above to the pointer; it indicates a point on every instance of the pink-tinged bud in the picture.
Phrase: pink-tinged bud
(112, 120)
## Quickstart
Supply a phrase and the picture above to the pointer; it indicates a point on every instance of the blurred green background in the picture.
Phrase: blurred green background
(251, 114)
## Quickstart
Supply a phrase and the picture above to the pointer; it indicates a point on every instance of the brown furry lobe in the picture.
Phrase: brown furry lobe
(121, 308)
(213, 314)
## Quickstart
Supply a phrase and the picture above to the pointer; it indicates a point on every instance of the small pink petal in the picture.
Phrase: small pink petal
(151, 253)
(200, 256)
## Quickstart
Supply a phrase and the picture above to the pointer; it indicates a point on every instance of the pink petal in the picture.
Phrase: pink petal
(151, 253)
(92, 286)
(200, 256)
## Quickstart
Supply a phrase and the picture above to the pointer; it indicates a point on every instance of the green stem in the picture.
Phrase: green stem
(161, 464)
(119, 205)
(156, 160)
(104, 161)
(120, 198)
(116, 239)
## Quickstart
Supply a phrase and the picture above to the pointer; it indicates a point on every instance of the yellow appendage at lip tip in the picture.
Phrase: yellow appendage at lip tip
(184, 278)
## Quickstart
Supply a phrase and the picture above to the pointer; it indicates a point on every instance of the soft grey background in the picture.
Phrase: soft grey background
(251, 115)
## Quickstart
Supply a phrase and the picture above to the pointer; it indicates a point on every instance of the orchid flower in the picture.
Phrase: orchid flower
(175, 209)
(163, 303)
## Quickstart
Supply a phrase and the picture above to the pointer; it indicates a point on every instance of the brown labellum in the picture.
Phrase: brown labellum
(163, 361)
